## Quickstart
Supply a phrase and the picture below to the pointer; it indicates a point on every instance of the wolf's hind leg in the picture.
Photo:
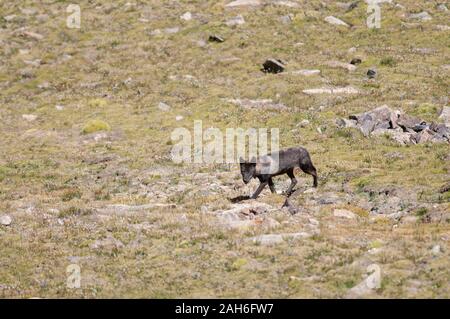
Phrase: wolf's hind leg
(309, 168)
(293, 181)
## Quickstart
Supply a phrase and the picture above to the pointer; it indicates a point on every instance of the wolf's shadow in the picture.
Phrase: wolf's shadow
(238, 199)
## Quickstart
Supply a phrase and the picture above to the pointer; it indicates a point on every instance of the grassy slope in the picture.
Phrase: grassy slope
(45, 163)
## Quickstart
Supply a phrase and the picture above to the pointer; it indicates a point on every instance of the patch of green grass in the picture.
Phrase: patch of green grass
(388, 61)
(95, 126)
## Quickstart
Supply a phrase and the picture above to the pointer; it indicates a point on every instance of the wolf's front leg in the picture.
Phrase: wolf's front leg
(259, 190)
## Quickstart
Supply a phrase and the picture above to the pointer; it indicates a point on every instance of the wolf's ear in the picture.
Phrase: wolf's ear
(241, 160)
(253, 160)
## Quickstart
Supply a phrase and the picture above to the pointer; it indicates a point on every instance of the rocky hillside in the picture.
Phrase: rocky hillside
(86, 176)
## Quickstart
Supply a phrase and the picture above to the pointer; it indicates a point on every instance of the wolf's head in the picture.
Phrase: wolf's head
(248, 169)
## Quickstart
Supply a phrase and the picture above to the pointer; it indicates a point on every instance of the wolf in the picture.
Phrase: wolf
(277, 163)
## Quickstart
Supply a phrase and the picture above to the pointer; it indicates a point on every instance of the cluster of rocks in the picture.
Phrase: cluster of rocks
(403, 128)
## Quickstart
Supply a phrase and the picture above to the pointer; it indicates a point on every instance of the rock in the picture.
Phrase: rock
(336, 90)
(29, 117)
(273, 239)
(243, 216)
(367, 127)
(239, 3)
(59, 107)
(337, 64)
(445, 115)
(179, 118)
(289, 4)
(336, 21)
(303, 123)
(305, 72)
(408, 123)
(356, 61)
(345, 123)
(371, 73)
(273, 66)
(436, 250)
(442, 7)
(425, 136)
(238, 20)
(441, 27)
(186, 16)
(344, 213)
(163, 107)
(215, 38)
(286, 19)
(258, 104)
(5, 220)
(32, 35)
(9, 18)
(401, 137)
(422, 16)
(171, 30)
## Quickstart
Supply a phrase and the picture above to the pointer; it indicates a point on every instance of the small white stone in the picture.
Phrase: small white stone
(163, 106)
(436, 250)
(344, 213)
(5, 220)
(29, 117)
(186, 17)
(59, 107)
(179, 117)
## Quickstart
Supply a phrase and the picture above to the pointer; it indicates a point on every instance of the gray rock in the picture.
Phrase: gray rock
(336, 21)
(367, 127)
(422, 16)
(305, 72)
(407, 122)
(286, 19)
(371, 73)
(238, 20)
(342, 65)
